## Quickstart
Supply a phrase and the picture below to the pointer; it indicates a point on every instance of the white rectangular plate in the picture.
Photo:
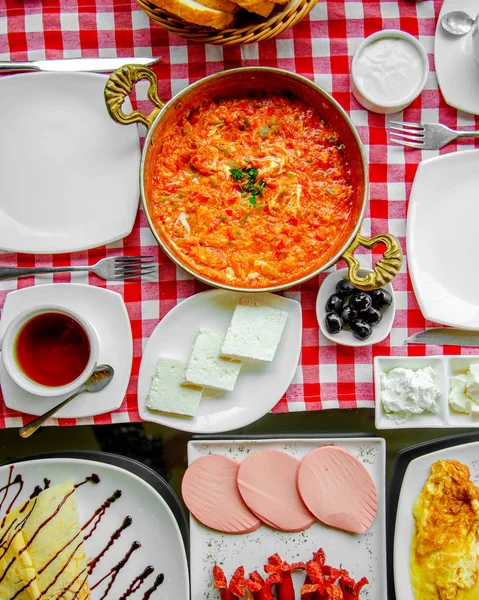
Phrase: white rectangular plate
(445, 366)
(361, 555)
(416, 476)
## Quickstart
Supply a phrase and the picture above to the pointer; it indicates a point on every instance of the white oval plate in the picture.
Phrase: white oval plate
(259, 386)
(106, 312)
(457, 71)
(441, 236)
(68, 172)
(154, 525)
(345, 337)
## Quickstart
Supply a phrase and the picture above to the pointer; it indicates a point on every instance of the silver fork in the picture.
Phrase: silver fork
(116, 267)
(427, 136)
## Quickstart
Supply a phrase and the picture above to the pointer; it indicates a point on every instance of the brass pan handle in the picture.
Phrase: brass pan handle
(386, 268)
(120, 85)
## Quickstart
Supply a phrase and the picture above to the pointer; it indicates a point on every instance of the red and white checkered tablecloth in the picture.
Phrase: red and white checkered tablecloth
(320, 48)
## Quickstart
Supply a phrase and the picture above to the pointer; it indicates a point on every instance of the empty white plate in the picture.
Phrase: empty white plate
(106, 312)
(441, 237)
(259, 386)
(68, 172)
(457, 71)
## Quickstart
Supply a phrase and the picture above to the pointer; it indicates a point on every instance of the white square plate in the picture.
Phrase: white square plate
(441, 238)
(153, 524)
(68, 172)
(416, 476)
(361, 555)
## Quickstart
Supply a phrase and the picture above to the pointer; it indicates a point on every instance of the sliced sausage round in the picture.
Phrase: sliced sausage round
(211, 494)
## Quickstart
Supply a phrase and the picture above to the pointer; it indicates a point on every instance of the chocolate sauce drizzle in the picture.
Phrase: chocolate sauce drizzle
(5, 489)
(98, 514)
(158, 581)
(115, 535)
(115, 570)
(17, 524)
(136, 583)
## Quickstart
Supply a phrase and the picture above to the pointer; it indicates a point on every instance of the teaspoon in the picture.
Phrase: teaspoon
(98, 380)
(457, 22)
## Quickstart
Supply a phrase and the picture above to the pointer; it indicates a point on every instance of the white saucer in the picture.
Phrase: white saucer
(106, 312)
(259, 386)
(457, 71)
(441, 236)
(346, 337)
(68, 172)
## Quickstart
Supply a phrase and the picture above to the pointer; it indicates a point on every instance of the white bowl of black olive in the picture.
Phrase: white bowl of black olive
(351, 317)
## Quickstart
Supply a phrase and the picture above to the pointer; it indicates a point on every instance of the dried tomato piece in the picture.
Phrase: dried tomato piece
(221, 583)
(285, 589)
(350, 588)
(265, 590)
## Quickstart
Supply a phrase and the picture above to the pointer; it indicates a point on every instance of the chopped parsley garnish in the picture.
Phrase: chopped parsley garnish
(251, 184)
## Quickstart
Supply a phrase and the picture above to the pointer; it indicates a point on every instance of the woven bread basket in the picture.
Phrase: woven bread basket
(256, 30)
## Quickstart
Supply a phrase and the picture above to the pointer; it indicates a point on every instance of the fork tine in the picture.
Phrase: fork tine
(416, 132)
(404, 136)
(409, 144)
(407, 124)
(123, 259)
(133, 269)
(132, 275)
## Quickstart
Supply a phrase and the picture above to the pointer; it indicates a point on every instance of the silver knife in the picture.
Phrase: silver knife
(440, 336)
(98, 65)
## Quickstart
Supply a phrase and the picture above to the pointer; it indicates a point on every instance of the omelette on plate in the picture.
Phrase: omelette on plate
(445, 547)
(41, 549)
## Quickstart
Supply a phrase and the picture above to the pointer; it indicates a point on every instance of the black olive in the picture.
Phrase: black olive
(372, 315)
(333, 322)
(360, 301)
(380, 298)
(348, 315)
(334, 304)
(361, 329)
(344, 288)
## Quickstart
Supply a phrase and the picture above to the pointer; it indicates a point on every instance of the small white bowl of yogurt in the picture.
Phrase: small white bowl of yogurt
(389, 71)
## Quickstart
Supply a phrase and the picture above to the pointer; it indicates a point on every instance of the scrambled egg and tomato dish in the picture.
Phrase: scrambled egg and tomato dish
(41, 549)
(445, 549)
(252, 191)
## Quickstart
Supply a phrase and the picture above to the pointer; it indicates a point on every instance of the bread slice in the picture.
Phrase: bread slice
(260, 7)
(199, 14)
(223, 5)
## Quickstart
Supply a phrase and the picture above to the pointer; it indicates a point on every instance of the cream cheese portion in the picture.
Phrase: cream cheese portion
(405, 392)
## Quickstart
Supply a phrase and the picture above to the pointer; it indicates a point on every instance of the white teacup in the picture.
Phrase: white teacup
(10, 361)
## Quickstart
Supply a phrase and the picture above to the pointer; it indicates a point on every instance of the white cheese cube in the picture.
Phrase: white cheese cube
(206, 368)
(254, 332)
(458, 381)
(166, 392)
(472, 386)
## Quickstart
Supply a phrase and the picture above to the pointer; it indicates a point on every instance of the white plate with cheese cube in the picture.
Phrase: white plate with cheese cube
(259, 385)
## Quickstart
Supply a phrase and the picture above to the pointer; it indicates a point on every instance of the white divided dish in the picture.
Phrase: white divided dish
(444, 366)
(441, 238)
(259, 386)
(153, 524)
(415, 477)
(457, 71)
(346, 337)
(106, 313)
(68, 172)
(361, 555)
